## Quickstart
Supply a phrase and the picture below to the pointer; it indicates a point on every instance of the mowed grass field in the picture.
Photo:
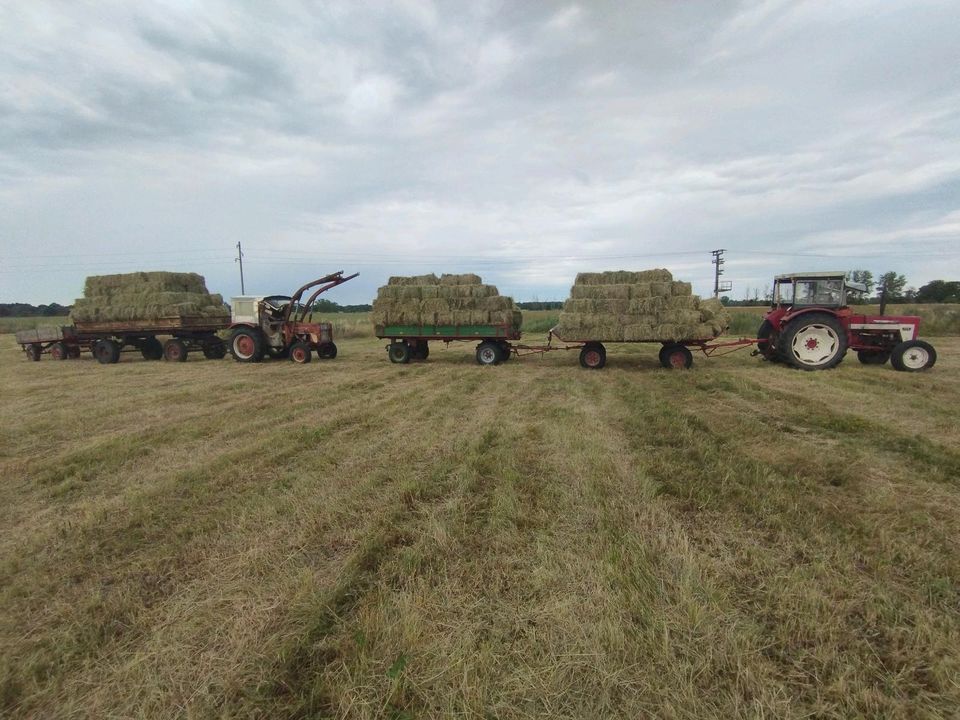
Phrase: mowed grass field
(355, 539)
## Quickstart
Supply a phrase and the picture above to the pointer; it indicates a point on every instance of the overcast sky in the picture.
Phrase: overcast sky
(524, 141)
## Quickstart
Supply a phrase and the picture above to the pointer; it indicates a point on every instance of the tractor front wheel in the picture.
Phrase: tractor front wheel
(913, 356)
(873, 357)
(300, 353)
(813, 341)
(327, 351)
(246, 345)
(58, 351)
(399, 352)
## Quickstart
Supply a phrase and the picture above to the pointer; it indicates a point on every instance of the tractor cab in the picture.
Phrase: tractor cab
(814, 289)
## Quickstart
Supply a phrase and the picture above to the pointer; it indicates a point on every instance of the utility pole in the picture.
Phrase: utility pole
(718, 261)
(240, 260)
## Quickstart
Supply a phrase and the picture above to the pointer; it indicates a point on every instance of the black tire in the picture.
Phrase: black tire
(767, 342)
(59, 351)
(873, 357)
(246, 345)
(593, 356)
(300, 353)
(813, 341)
(505, 352)
(106, 352)
(175, 350)
(399, 352)
(151, 349)
(676, 357)
(488, 353)
(913, 356)
(33, 352)
(327, 351)
(214, 349)
(420, 351)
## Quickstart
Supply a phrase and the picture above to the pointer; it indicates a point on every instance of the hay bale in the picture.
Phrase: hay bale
(464, 279)
(410, 292)
(623, 277)
(147, 296)
(600, 292)
(678, 287)
(660, 288)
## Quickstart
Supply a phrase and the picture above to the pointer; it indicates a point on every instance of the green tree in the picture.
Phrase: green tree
(939, 291)
(892, 284)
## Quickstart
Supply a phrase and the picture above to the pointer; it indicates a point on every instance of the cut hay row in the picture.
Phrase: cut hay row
(146, 296)
(447, 300)
(648, 305)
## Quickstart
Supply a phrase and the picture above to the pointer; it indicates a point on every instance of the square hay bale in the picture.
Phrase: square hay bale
(598, 292)
(434, 305)
(661, 289)
(496, 302)
(464, 279)
(640, 290)
(678, 287)
(410, 292)
(684, 302)
(638, 331)
(481, 291)
(647, 306)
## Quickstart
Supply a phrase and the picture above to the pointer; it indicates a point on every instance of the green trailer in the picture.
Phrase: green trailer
(412, 342)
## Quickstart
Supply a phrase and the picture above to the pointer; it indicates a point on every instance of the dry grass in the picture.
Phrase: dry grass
(362, 540)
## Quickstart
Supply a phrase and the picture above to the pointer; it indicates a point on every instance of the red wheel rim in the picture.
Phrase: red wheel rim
(299, 355)
(678, 359)
(173, 352)
(244, 345)
(592, 358)
(57, 353)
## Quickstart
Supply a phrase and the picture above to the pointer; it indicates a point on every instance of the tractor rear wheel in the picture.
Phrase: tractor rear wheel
(106, 352)
(246, 345)
(175, 350)
(593, 356)
(33, 352)
(488, 353)
(151, 349)
(873, 357)
(399, 352)
(676, 357)
(913, 356)
(813, 341)
(300, 353)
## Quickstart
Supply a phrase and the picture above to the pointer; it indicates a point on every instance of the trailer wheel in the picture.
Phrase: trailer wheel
(214, 349)
(107, 352)
(327, 351)
(873, 357)
(300, 353)
(675, 356)
(58, 351)
(421, 351)
(593, 356)
(151, 349)
(175, 350)
(246, 345)
(33, 352)
(488, 353)
(913, 356)
(399, 352)
(815, 341)
(766, 346)
(505, 352)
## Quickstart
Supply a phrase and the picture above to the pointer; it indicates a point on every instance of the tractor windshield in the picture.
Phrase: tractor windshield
(828, 292)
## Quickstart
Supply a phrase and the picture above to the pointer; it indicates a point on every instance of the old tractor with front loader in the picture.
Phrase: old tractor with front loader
(277, 325)
(811, 326)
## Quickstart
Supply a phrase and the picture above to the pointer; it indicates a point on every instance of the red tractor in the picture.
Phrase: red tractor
(276, 325)
(811, 327)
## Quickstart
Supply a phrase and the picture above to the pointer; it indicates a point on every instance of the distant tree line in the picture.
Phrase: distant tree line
(541, 305)
(328, 306)
(27, 310)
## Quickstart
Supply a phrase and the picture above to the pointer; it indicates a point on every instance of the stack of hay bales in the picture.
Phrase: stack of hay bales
(623, 306)
(146, 296)
(447, 300)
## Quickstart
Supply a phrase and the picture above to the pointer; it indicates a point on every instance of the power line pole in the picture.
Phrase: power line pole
(718, 261)
(240, 260)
